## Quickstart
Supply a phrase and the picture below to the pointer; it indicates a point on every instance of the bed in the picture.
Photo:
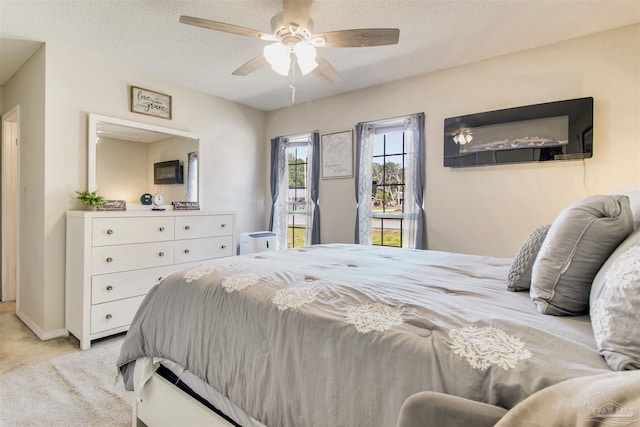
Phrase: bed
(343, 335)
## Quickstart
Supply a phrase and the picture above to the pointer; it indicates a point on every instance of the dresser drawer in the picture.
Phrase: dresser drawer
(122, 231)
(195, 227)
(200, 249)
(112, 259)
(115, 286)
(115, 314)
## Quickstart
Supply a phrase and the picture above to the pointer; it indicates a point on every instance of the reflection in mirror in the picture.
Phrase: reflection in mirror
(122, 155)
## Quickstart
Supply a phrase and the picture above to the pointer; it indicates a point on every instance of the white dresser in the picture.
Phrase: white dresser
(115, 258)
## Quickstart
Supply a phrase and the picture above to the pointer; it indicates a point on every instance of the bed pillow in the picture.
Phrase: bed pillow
(579, 241)
(633, 193)
(519, 278)
(615, 306)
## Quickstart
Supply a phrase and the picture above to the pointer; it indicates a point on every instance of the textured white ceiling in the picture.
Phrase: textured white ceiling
(434, 34)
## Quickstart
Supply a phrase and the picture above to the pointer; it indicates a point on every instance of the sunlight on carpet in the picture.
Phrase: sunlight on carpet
(77, 389)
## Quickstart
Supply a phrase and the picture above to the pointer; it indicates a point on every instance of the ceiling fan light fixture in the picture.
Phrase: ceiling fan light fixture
(279, 57)
(306, 56)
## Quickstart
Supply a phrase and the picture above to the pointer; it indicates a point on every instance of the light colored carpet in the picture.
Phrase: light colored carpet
(76, 389)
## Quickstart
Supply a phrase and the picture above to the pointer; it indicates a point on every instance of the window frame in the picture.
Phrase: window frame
(293, 143)
(382, 215)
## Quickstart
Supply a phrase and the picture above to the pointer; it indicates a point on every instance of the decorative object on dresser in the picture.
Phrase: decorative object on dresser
(158, 201)
(90, 199)
(185, 206)
(115, 258)
(146, 199)
(113, 205)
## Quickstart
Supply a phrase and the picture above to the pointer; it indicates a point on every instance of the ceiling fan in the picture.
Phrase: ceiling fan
(294, 41)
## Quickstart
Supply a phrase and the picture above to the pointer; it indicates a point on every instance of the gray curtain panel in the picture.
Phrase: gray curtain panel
(314, 185)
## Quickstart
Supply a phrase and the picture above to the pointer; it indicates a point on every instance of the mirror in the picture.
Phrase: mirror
(121, 158)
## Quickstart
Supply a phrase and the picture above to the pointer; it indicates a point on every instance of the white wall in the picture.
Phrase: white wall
(491, 209)
(54, 159)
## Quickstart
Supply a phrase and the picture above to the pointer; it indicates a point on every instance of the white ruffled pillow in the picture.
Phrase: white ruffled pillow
(615, 306)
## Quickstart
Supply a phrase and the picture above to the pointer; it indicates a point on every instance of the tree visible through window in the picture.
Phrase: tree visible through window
(298, 198)
(388, 169)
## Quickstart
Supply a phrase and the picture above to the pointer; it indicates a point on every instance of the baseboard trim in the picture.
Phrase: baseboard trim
(44, 336)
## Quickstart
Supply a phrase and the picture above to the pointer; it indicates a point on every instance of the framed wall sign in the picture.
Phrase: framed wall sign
(336, 155)
(151, 103)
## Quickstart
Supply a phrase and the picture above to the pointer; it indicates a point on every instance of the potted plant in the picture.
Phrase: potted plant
(90, 199)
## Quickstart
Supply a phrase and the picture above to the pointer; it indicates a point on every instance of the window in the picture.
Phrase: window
(390, 182)
(295, 166)
(387, 183)
(298, 195)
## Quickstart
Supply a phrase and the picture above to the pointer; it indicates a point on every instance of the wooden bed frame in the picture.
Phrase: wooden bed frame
(164, 404)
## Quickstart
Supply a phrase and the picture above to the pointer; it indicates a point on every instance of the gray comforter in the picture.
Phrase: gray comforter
(341, 335)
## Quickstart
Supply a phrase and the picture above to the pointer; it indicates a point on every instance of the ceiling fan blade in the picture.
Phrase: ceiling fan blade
(357, 38)
(325, 71)
(227, 28)
(251, 66)
(296, 12)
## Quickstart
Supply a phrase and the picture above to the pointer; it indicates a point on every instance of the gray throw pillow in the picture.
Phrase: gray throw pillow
(579, 241)
(519, 278)
(615, 306)
(633, 193)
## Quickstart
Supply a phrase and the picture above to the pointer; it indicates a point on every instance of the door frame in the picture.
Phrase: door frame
(10, 202)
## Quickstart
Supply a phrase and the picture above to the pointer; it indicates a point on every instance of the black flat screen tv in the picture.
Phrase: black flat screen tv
(169, 172)
(560, 130)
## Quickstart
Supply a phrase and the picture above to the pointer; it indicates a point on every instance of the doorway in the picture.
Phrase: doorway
(9, 217)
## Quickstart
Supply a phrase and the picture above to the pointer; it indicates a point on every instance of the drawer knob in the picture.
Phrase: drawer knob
(108, 316)
(186, 227)
(223, 247)
(109, 287)
(109, 231)
(161, 228)
(223, 225)
(109, 259)
(186, 251)
(160, 253)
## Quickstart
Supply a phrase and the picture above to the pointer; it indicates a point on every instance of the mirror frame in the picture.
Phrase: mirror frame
(92, 137)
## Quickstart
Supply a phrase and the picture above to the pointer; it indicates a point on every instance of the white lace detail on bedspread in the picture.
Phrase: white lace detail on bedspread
(197, 273)
(622, 275)
(239, 281)
(294, 297)
(374, 317)
(483, 347)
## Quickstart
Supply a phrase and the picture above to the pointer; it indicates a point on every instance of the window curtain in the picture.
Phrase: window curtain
(413, 224)
(313, 231)
(279, 190)
(413, 221)
(364, 202)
